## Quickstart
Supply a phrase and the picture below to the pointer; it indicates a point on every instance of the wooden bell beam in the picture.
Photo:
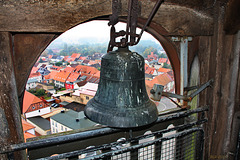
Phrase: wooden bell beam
(10, 118)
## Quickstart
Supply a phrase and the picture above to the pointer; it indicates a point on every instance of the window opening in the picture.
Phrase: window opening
(75, 57)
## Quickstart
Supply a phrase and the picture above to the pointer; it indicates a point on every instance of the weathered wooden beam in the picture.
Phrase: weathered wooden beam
(58, 16)
(27, 48)
(232, 20)
(10, 118)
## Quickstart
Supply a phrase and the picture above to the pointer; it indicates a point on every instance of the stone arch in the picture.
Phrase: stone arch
(154, 29)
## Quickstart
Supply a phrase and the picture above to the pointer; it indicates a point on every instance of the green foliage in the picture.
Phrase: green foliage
(37, 92)
(84, 49)
(40, 61)
(165, 65)
(148, 51)
(50, 51)
(33, 91)
(62, 89)
(58, 63)
(162, 55)
(40, 92)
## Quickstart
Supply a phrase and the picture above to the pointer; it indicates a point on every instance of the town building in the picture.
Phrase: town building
(60, 79)
(42, 126)
(33, 106)
(28, 130)
(69, 120)
(31, 83)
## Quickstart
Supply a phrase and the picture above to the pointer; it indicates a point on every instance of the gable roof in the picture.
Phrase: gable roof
(154, 56)
(61, 76)
(34, 75)
(57, 68)
(162, 60)
(68, 69)
(73, 77)
(91, 62)
(34, 70)
(26, 126)
(83, 58)
(76, 55)
(90, 78)
(149, 70)
(29, 99)
(50, 75)
(162, 79)
(28, 135)
(85, 69)
(165, 70)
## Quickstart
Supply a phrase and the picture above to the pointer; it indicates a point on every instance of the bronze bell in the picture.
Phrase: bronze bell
(121, 100)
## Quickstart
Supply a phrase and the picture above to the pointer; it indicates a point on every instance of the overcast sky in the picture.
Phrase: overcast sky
(97, 29)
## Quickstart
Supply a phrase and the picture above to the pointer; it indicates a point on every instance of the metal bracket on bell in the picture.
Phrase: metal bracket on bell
(157, 92)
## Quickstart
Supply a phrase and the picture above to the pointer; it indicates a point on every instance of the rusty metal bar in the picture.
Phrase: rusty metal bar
(92, 133)
(152, 14)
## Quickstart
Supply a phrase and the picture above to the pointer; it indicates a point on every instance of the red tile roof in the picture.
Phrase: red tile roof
(68, 69)
(83, 58)
(50, 75)
(91, 62)
(57, 68)
(61, 76)
(65, 58)
(50, 56)
(97, 74)
(149, 70)
(162, 60)
(28, 135)
(154, 56)
(29, 99)
(26, 126)
(34, 70)
(168, 62)
(86, 69)
(165, 70)
(91, 78)
(162, 79)
(76, 55)
(73, 77)
(34, 75)
(70, 59)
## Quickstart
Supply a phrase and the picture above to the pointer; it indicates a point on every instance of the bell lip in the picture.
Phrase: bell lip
(125, 122)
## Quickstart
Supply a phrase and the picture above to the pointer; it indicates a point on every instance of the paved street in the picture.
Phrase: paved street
(165, 104)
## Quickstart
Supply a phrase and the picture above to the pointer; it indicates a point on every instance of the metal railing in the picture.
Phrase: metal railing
(184, 141)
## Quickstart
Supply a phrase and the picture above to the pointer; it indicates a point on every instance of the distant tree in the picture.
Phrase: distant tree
(40, 60)
(58, 63)
(165, 65)
(44, 53)
(40, 92)
(50, 52)
(162, 55)
(33, 91)
(148, 51)
(62, 89)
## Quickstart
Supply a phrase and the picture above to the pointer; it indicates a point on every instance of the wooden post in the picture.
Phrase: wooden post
(10, 118)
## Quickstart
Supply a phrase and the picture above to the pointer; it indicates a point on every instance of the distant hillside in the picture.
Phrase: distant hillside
(88, 46)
